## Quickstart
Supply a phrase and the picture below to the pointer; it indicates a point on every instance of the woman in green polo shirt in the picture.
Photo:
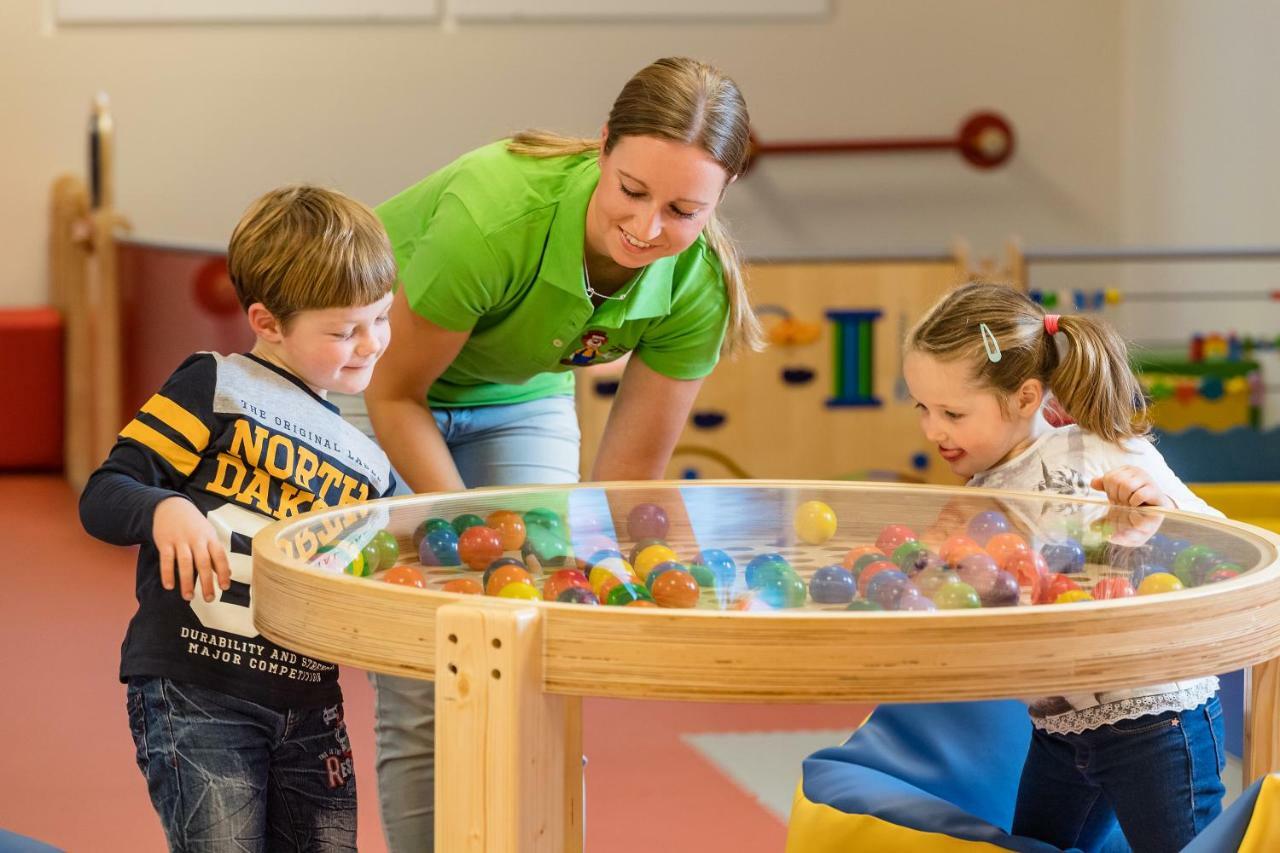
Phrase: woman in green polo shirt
(523, 261)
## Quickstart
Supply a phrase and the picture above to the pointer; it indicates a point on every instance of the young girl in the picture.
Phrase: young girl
(981, 366)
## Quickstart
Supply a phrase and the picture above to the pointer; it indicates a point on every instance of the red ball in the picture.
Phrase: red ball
(1003, 546)
(1112, 588)
(647, 521)
(1025, 565)
(894, 535)
(1054, 586)
(562, 580)
(479, 546)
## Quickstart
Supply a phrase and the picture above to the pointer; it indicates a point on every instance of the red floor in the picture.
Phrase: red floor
(69, 775)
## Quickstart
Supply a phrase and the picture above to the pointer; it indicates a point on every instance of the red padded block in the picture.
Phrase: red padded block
(31, 389)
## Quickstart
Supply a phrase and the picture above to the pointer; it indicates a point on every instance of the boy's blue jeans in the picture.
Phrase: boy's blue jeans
(1159, 775)
(228, 774)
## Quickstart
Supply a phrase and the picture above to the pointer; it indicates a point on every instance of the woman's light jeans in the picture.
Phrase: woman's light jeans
(526, 443)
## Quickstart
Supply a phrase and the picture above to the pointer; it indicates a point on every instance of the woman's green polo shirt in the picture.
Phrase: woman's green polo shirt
(492, 243)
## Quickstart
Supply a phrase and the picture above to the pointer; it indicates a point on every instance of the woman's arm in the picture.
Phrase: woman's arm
(644, 424)
(396, 397)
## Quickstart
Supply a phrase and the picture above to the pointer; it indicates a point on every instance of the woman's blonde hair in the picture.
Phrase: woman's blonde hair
(299, 248)
(686, 101)
(1091, 378)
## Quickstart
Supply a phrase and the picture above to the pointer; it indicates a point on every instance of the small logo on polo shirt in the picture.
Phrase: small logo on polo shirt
(592, 343)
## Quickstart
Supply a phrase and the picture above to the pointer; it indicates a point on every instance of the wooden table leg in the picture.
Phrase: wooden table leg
(1261, 720)
(501, 750)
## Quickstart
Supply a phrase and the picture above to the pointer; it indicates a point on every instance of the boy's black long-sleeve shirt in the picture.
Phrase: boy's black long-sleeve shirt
(247, 443)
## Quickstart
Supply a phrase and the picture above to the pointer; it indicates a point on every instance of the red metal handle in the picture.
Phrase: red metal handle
(985, 140)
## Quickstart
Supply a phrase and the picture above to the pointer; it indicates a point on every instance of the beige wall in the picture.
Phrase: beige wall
(208, 116)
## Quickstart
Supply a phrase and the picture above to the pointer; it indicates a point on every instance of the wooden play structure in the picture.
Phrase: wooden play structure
(510, 674)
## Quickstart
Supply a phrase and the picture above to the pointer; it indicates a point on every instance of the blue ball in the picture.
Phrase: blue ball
(757, 569)
(439, 548)
(603, 554)
(720, 563)
(1165, 550)
(832, 585)
(887, 578)
(1066, 557)
(984, 525)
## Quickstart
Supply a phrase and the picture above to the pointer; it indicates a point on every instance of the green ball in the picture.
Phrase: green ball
(783, 590)
(625, 593)
(388, 549)
(543, 517)
(705, 577)
(372, 557)
(465, 521)
(864, 561)
(956, 596)
(426, 528)
(906, 551)
(863, 604)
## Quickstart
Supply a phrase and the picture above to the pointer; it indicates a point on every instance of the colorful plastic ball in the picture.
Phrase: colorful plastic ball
(499, 563)
(1194, 564)
(510, 527)
(854, 554)
(984, 525)
(431, 525)
(905, 554)
(640, 546)
(388, 548)
(506, 575)
(372, 557)
(957, 547)
(783, 590)
(894, 535)
(1055, 585)
(1066, 557)
(1144, 570)
(544, 518)
(977, 570)
(561, 580)
(957, 596)
(641, 602)
(647, 521)
(866, 560)
(651, 557)
(603, 554)
(605, 586)
(720, 563)
(625, 593)
(1223, 572)
(887, 589)
(1158, 583)
(765, 564)
(356, 566)
(703, 574)
(913, 599)
(1071, 596)
(1004, 546)
(1001, 591)
(465, 521)
(867, 575)
(863, 604)
(577, 595)
(463, 586)
(832, 585)
(933, 579)
(889, 577)
(520, 590)
(814, 522)
(440, 548)
(479, 545)
(1113, 587)
(612, 566)
(546, 549)
(406, 576)
(675, 588)
(662, 568)
(1165, 550)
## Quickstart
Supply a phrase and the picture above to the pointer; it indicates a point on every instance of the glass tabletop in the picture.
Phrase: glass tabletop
(767, 547)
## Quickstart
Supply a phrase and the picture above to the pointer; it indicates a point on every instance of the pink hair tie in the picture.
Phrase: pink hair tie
(1051, 323)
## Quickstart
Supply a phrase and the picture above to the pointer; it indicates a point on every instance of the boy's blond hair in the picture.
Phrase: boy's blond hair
(302, 247)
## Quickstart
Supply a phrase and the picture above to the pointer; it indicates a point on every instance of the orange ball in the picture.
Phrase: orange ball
(861, 550)
(562, 580)
(956, 548)
(479, 546)
(510, 527)
(463, 586)
(608, 583)
(1003, 546)
(676, 589)
(640, 602)
(406, 576)
(504, 575)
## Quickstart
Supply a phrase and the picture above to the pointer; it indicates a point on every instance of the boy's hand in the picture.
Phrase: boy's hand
(186, 539)
(1129, 485)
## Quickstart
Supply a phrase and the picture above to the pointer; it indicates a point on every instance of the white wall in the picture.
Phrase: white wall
(209, 116)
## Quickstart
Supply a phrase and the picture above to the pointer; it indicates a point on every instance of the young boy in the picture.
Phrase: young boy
(242, 742)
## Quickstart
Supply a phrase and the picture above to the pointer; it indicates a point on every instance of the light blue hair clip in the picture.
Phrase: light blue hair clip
(989, 343)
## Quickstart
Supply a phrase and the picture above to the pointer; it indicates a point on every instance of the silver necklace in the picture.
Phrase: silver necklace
(592, 293)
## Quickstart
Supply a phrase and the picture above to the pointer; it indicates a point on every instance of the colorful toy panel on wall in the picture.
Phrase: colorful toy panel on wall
(826, 399)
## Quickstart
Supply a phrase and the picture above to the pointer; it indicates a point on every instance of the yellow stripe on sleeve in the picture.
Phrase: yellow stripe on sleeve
(179, 419)
(180, 458)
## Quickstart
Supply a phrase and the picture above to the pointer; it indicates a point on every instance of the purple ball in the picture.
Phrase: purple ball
(890, 592)
(647, 521)
(1064, 557)
(914, 599)
(832, 585)
(984, 525)
(883, 581)
(577, 595)
(978, 571)
(1003, 591)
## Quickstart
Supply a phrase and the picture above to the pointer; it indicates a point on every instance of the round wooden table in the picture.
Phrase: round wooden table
(510, 673)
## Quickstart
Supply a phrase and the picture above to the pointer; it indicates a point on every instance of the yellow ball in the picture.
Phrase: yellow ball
(520, 589)
(1158, 583)
(815, 522)
(652, 556)
(1112, 296)
(1072, 595)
